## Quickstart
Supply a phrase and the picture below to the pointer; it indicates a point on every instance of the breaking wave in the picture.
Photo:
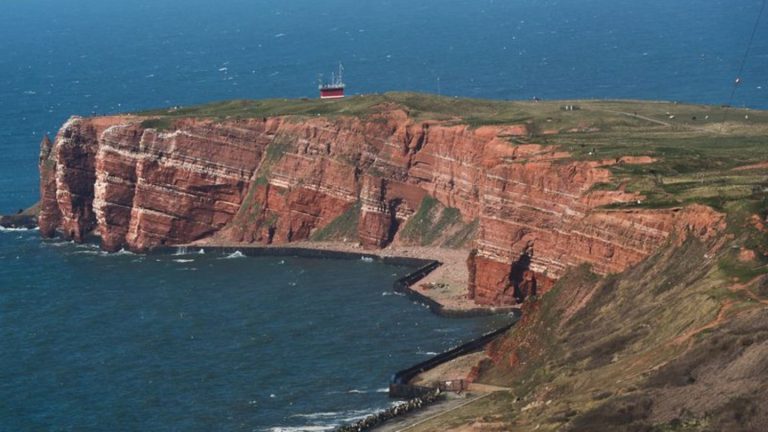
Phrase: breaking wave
(5, 229)
(300, 428)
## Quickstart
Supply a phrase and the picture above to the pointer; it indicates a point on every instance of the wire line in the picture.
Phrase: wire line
(746, 53)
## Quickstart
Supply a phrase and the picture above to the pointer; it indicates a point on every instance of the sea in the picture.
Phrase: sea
(96, 341)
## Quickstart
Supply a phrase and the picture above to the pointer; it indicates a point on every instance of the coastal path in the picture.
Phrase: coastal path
(629, 114)
(409, 421)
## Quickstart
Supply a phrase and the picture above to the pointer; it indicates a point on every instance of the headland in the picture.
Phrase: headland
(631, 232)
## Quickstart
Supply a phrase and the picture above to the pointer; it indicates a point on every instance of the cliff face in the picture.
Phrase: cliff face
(282, 179)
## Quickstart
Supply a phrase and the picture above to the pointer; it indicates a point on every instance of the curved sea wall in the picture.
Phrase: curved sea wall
(528, 211)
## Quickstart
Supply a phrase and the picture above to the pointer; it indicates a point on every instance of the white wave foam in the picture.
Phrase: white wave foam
(88, 252)
(326, 415)
(183, 260)
(91, 246)
(366, 259)
(314, 428)
(429, 353)
(201, 252)
(332, 420)
(235, 254)
(124, 252)
(379, 390)
(8, 229)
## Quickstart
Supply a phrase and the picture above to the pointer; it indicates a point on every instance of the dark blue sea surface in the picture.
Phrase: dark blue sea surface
(122, 342)
(64, 57)
(96, 341)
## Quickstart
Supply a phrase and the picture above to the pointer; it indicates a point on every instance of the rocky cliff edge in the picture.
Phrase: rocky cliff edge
(508, 191)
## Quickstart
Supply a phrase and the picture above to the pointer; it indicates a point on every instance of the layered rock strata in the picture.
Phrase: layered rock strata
(282, 179)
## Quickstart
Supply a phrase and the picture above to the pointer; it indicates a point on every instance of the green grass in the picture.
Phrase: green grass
(159, 123)
(690, 166)
(464, 235)
(274, 152)
(605, 115)
(430, 222)
(239, 109)
(344, 226)
(742, 271)
(421, 221)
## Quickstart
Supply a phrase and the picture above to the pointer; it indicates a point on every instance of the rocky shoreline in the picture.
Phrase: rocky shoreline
(379, 418)
(23, 219)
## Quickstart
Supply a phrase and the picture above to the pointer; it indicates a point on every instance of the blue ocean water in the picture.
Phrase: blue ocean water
(64, 57)
(94, 342)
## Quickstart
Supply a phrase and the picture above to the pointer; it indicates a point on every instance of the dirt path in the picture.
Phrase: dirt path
(638, 116)
(744, 289)
(688, 336)
(410, 421)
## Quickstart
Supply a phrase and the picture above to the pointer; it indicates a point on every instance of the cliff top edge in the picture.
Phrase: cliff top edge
(476, 112)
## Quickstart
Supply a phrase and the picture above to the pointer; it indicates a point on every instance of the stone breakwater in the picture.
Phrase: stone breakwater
(379, 418)
(527, 211)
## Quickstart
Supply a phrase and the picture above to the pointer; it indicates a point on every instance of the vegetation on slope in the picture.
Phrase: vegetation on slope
(343, 228)
(673, 344)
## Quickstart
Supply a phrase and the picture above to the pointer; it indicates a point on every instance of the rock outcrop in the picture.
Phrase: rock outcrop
(282, 179)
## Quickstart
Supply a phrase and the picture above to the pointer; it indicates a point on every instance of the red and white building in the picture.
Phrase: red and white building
(334, 89)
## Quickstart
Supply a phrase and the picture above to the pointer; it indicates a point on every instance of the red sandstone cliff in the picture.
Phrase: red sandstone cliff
(282, 179)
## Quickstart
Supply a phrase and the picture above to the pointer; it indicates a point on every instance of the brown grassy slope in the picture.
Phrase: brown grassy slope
(671, 344)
